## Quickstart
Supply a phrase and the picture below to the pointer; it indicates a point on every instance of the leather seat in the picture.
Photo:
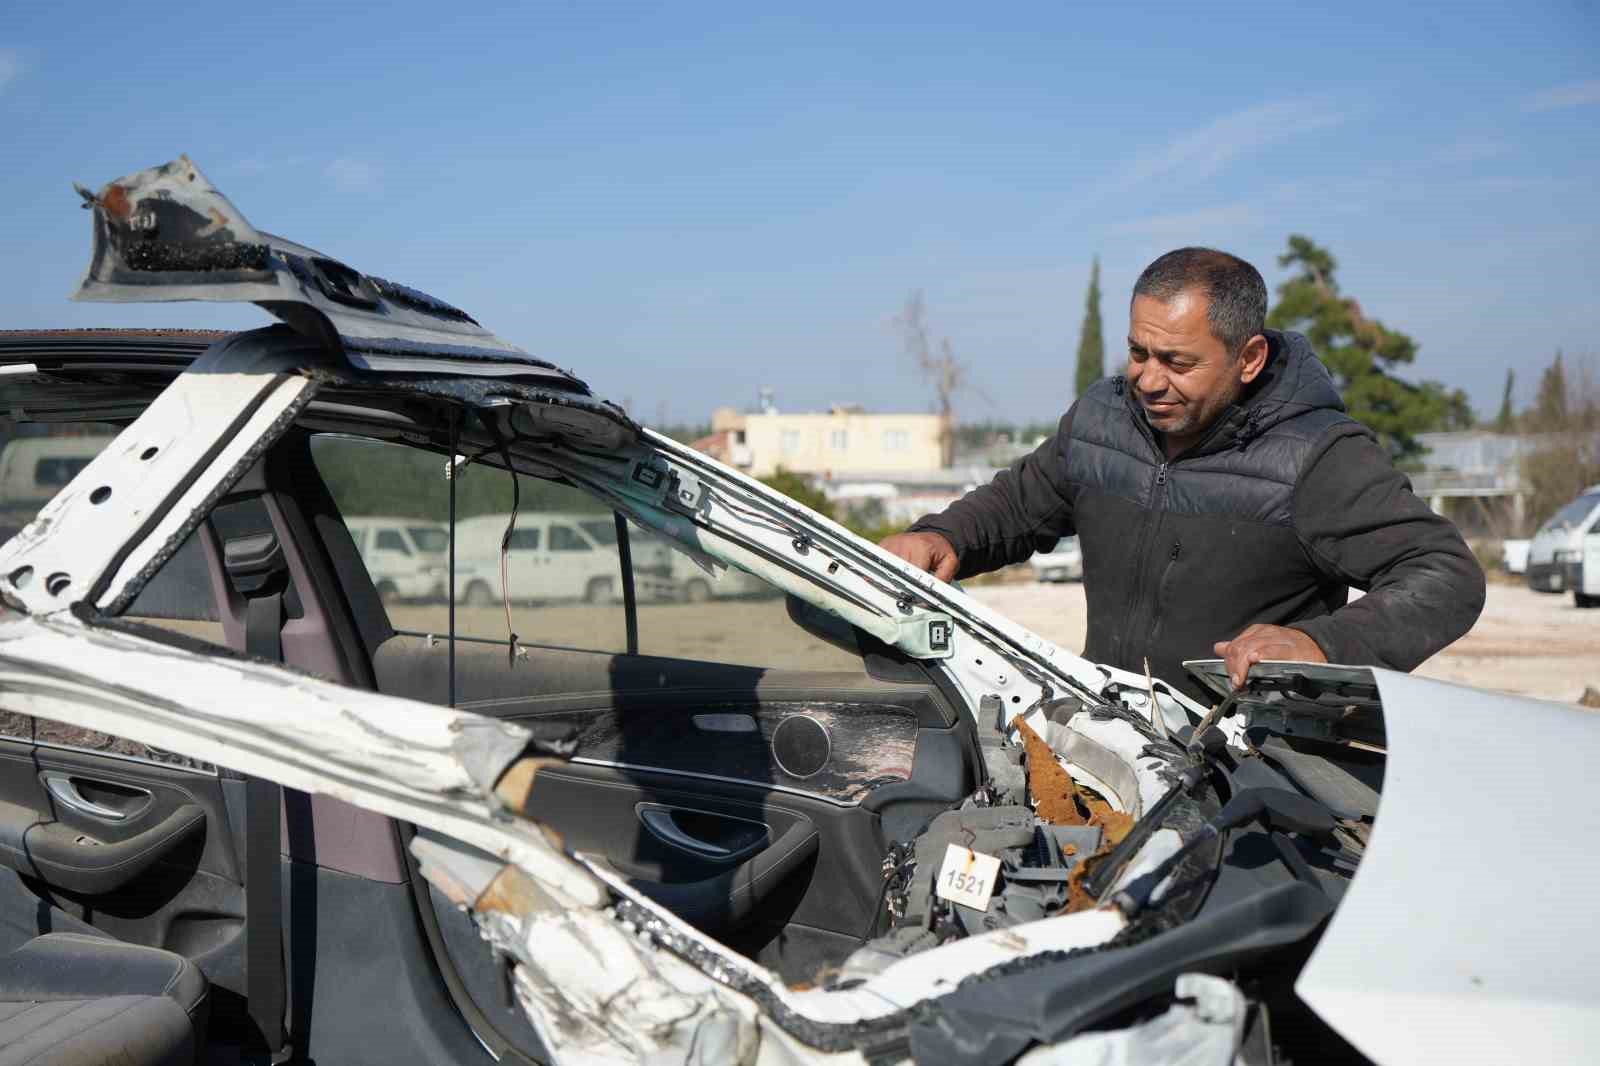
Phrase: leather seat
(66, 998)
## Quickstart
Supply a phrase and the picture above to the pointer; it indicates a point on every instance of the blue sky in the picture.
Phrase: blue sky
(686, 203)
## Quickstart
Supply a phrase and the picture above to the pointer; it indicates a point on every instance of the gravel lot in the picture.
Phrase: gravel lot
(1531, 643)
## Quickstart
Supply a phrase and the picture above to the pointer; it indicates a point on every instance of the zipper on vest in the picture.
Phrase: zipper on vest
(1160, 605)
(1147, 530)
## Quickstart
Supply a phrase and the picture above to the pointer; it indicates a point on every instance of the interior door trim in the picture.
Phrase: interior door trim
(61, 786)
(195, 767)
(657, 818)
(762, 786)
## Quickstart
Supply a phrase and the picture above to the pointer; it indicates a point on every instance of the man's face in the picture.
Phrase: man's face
(1181, 374)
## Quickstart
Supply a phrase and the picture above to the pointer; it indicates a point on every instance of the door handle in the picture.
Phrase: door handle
(65, 791)
(663, 823)
(659, 822)
(732, 898)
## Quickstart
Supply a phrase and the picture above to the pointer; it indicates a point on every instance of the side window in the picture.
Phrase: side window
(562, 565)
(181, 596)
(566, 539)
(40, 459)
(721, 615)
(573, 599)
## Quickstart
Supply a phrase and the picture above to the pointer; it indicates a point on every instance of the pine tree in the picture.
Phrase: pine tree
(1362, 353)
(1550, 408)
(1506, 420)
(1091, 341)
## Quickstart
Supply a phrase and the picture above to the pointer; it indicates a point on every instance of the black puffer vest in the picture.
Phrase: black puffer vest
(1180, 554)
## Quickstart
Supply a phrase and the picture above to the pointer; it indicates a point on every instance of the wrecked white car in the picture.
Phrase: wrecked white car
(248, 807)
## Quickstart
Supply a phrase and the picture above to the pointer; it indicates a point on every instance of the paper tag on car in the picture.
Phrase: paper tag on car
(967, 877)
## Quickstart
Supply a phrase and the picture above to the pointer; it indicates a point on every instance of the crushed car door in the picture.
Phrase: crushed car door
(755, 796)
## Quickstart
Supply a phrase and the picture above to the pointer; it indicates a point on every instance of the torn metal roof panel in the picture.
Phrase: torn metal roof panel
(167, 234)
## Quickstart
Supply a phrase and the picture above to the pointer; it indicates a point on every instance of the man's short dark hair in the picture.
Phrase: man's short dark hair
(1237, 296)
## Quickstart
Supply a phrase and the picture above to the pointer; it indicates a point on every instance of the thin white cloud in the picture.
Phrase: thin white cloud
(1210, 149)
(256, 165)
(1205, 224)
(10, 67)
(1562, 96)
(1472, 150)
(353, 174)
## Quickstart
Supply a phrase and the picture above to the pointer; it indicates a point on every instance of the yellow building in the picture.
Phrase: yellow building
(843, 440)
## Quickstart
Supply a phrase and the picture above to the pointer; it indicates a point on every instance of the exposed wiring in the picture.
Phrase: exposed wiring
(505, 540)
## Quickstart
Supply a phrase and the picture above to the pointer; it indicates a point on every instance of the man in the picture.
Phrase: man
(1224, 501)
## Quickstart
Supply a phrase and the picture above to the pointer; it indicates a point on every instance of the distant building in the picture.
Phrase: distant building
(1474, 478)
(843, 440)
(1002, 451)
(904, 496)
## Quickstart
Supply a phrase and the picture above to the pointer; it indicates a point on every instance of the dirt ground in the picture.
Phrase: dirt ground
(1526, 642)
(1530, 643)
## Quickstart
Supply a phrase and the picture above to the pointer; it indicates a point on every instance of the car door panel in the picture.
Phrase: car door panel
(698, 740)
(868, 742)
(150, 858)
(832, 886)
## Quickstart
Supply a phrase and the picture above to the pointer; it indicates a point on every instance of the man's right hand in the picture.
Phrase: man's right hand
(925, 551)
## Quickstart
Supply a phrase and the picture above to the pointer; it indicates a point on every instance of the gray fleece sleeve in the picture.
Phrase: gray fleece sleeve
(1026, 508)
(1362, 525)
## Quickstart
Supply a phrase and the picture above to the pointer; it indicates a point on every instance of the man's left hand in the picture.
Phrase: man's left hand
(1261, 643)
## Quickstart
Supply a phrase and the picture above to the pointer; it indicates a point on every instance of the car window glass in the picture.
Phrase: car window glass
(573, 599)
(181, 596)
(1573, 513)
(429, 538)
(566, 539)
(390, 540)
(720, 615)
(38, 460)
(600, 530)
(559, 596)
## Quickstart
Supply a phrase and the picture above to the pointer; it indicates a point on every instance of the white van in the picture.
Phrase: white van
(34, 469)
(407, 557)
(552, 556)
(1558, 547)
(684, 580)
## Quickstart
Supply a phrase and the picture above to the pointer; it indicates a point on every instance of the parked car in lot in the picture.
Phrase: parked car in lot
(550, 556)
(33, 469)
(1064, 562)
(573, 555)
(1558, 546)
(407, 558)
(689, 581)
(943, 841)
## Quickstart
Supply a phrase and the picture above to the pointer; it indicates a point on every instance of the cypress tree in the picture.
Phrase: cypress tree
(1091, 342)
(1506, 420)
